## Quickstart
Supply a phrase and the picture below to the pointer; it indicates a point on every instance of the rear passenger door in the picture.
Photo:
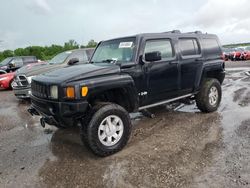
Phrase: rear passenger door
(190, 63)
(162, 76)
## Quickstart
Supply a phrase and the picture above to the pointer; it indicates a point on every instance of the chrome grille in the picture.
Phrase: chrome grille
(21, 81)
(39, 90)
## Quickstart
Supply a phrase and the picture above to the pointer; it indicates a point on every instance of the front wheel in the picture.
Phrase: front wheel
(109, 130)
(11, 84)
(209, 97)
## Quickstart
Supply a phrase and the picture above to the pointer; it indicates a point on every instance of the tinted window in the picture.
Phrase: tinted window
(189, 47)
(211, 47)
(30, 59)
(163, 46)
(60, 58)
(6, 61)
(81, 55)
(17, 62)
(89, 53)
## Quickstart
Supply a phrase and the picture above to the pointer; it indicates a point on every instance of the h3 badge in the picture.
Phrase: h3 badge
(143, 93)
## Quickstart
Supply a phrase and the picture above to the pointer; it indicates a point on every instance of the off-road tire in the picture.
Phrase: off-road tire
(85, 121)
(202, 98)
(90, 132)
(59, 126)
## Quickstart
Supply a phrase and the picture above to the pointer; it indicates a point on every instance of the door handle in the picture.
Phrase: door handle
(173, 62)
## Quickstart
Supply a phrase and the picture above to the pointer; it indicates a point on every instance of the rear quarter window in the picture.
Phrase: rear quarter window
(211, 47)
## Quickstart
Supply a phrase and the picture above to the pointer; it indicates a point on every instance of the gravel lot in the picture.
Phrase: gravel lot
(178, 148)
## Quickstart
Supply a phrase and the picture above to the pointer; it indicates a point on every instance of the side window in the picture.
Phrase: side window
(81, 55)
(17, 62)
(89, 53)
(27, 60)
(84, 56)
(211, 47)
(189, 47)
(164, 46)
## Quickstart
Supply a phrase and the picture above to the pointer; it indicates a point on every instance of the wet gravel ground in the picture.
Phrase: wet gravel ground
(181, 147)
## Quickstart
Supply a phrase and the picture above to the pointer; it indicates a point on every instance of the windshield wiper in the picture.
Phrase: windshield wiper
(110, 60)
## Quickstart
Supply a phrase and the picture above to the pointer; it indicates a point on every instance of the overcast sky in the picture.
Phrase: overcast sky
(44, 22)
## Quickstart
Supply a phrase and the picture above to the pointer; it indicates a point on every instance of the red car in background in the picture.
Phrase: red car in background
(246, 53)
(6, 79)
(237, 54)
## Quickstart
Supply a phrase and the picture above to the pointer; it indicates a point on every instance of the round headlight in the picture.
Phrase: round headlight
(54, 92)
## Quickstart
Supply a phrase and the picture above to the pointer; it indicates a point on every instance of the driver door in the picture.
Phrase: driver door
(162, 76)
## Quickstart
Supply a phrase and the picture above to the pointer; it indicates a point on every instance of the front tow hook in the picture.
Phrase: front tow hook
(33, 112)
(42, 122)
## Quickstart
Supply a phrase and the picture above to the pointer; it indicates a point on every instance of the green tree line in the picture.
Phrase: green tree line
(236, 45)
(46, 52)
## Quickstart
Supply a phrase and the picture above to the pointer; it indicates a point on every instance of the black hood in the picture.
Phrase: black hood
(38, 69)
(78, 72)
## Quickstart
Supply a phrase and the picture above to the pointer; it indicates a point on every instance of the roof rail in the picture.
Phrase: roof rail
(194, 32)
(173, 31)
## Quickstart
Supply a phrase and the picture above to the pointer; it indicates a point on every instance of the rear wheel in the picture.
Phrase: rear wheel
(209, 97)
(108, 130)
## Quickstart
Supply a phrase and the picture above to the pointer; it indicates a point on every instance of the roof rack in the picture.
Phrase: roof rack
(173, 31)
(178, 31)
(194, 32)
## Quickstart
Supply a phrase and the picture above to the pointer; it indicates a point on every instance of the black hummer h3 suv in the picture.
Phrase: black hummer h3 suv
(126, 75)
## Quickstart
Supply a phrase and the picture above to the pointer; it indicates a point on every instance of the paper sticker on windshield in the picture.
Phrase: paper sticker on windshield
(125, 44)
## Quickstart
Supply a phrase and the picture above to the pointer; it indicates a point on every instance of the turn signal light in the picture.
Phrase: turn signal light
(85, 91)
(70, 92)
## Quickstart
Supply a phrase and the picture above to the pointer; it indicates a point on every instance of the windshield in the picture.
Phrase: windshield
(119, 50)
(5, 61)
(239, 49)
(60, 58)
(248, 48)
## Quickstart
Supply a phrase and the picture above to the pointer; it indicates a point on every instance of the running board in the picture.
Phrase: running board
(164, 102)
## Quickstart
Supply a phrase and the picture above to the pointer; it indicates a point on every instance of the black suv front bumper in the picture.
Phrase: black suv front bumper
(58, 113)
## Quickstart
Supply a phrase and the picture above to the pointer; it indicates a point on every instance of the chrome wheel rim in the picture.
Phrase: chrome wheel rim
(213, 96)
(110, 130)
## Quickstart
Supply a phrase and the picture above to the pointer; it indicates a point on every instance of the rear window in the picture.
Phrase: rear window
(211, 47)
(189, 47)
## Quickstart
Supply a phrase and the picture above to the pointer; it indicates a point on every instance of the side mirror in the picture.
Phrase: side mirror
(73, 61)
(12, 65)
(153, 56)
